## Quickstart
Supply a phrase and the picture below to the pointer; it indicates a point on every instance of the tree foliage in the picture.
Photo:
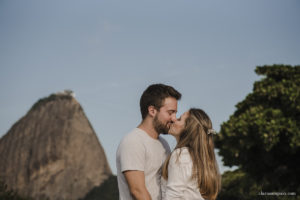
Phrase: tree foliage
(9, 194)
(106, 191)
(262, 137)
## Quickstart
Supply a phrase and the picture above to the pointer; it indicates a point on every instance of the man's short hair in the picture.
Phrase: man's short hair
(155, 95)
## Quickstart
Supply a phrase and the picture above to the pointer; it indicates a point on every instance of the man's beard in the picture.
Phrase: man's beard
(160, 127)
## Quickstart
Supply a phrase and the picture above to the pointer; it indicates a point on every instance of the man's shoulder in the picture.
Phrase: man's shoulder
(134, 136)
(136, 133)
(132, 141)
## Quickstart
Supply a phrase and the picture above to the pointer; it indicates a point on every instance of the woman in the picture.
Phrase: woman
(191, 172)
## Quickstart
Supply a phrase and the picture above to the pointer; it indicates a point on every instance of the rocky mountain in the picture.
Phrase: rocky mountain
(53, 152)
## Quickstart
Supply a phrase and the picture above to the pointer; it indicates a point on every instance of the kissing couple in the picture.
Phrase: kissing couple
(146, 167)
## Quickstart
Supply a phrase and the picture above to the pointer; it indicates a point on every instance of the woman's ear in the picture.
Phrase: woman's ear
(152, 111)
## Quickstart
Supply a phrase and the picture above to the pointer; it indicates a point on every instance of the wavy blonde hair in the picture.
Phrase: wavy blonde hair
(201, 149)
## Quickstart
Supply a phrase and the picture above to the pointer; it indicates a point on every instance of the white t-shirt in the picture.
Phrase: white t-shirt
(180, 185)
(139, 151)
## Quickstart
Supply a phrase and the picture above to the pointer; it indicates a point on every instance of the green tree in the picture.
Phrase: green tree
(262, 137)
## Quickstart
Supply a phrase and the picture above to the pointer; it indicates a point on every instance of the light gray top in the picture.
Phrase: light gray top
(180, 185)
(139, 151)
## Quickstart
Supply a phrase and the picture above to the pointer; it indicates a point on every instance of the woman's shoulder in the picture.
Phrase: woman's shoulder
(181, 155)
(182, 150)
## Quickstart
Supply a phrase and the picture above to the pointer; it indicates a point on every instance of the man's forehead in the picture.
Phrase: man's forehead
(170, 104)
(169, 100)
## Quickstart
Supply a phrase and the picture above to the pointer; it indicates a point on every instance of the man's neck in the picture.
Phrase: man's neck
(147, 126)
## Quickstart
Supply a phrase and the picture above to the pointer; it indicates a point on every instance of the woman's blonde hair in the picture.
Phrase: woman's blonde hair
(201, 148)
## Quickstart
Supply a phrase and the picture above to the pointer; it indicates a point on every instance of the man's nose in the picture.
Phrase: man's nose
(173, 117)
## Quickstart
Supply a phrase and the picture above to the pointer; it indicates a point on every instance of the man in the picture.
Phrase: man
(142, 152)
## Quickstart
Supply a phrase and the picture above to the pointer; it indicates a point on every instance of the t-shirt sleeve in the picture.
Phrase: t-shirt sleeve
(132, 155)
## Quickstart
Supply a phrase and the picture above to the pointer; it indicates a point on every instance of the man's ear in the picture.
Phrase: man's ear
(152, 111)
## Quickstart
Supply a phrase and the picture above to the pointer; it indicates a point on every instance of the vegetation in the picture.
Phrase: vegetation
(52, 97)
(8, 194)
(106, 191)
(262, 138)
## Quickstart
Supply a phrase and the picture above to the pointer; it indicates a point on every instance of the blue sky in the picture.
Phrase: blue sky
(108, 52)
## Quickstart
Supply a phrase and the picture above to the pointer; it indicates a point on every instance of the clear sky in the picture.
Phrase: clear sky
(109, 51)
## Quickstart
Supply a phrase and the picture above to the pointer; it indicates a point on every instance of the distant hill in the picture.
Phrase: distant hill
(53, 152)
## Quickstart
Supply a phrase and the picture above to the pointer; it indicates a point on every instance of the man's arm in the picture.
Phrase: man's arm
(136, 183)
